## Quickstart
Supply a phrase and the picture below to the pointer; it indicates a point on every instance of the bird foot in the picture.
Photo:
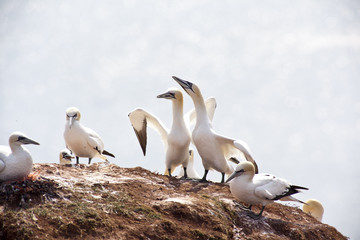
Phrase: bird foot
(253, 215)
(203, 180)
(239, 205)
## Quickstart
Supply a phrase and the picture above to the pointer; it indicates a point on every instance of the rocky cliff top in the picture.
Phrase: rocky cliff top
(105, 201)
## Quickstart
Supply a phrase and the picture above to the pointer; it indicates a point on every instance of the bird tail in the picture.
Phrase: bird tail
(108, 153)
(291, 198)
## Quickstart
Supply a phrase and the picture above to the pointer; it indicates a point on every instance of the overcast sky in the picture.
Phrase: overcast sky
(286, 76)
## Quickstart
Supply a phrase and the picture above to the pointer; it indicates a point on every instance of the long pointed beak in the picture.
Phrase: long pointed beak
(71, 119)
(26, 140)
(167, 95)
(234, 175)
(184, 84)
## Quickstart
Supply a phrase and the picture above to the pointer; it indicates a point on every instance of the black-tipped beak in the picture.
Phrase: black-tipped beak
(234, 175)
(25, 140)
(184, 84)
(167, 95)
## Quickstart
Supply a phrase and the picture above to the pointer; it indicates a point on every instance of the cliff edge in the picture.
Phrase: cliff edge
(105, 201)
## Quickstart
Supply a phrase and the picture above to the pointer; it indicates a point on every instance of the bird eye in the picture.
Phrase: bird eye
(21, 138)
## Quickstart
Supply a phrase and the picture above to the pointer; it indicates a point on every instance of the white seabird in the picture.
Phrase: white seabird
(251, 188)
(65, 157)
(80, 140)
(15, 160)
(177, 139)
(314, 208)
(215, 150)
(191, 171)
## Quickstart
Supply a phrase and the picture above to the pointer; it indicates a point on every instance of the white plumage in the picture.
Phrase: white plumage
(251, 188)
(177, 139)
(215, 150)
(15, 160)
(82, 141)
(191, 171)
(65, 157)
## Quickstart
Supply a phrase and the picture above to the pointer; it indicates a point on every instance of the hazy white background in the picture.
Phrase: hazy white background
(285, 75)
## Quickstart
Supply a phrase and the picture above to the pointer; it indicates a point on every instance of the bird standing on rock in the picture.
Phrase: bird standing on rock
(251, 188)
(80, 140)
(215, 150)
(177, 139)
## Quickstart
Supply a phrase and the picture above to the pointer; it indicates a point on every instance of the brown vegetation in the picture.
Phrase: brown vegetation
(104, 201)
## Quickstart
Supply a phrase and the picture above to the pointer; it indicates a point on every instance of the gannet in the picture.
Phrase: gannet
(213, 148)
(191, 171)
(15, 160)
(251, 188)
(80, 140)
(65, 157)
(177, 139)
(314, 208)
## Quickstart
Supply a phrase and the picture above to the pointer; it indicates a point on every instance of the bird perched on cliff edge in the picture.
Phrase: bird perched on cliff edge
(15, 160)
(251, 188)
(65, 157)
(80, 140)
(314, 208)
(215, 150)
(177, 139)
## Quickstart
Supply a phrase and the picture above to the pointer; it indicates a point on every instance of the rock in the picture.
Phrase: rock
(106, 201)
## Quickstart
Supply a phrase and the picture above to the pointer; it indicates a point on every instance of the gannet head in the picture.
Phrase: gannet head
(172, 94)
(189, 87)
(72, 114)
(243, 168)
(65, 156)
(314, 208)
(18, 138)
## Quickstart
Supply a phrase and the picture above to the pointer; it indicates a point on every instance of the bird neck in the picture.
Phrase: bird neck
(178, 112)
(15, 148)
(200, 108)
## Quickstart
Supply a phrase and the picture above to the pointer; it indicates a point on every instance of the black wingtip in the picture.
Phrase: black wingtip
(299, 187)
(142, 136)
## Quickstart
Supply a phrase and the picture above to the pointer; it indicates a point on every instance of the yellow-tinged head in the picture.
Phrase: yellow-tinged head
(189, 87)
(18, 138)
(65, 156)
(172, 94)
(72, 113)
(314, 208)
(243, 168)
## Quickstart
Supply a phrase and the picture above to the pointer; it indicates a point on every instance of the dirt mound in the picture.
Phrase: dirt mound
(106, 201)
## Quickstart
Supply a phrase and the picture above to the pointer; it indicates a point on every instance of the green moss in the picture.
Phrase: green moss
(147, 212)
(41, 212)
(121, 210)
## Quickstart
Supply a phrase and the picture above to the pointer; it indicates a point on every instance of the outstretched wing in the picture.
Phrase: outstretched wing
(140, 119)
(232, 148)
(190, 117)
